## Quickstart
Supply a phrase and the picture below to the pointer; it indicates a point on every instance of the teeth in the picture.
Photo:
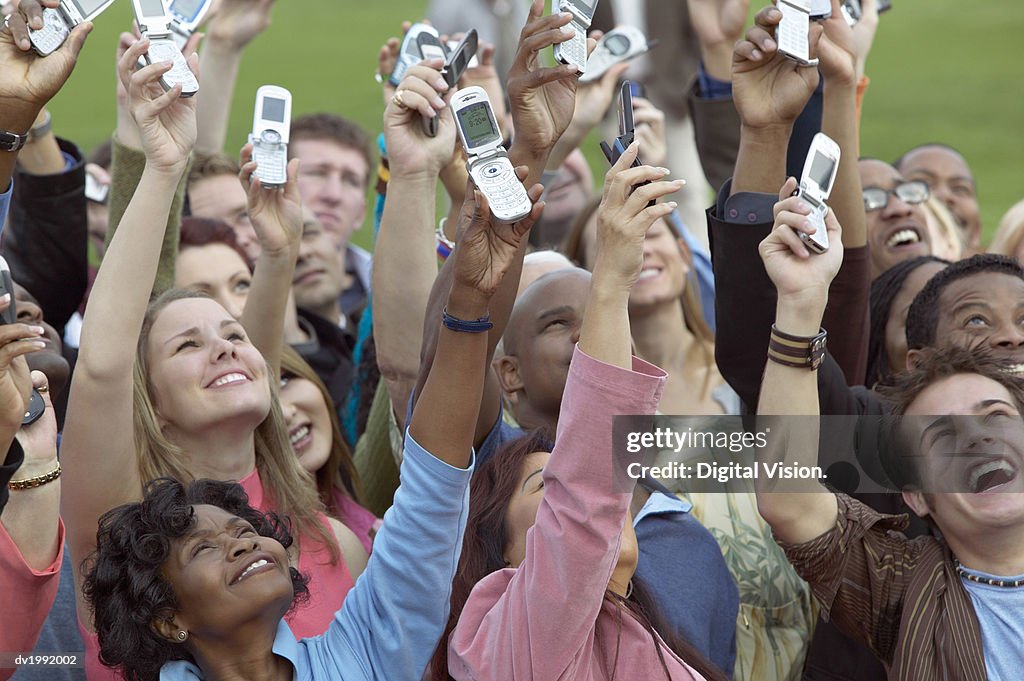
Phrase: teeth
(258, 564)
(647, 274)
(903, 238)
(1017, 369)
(299, 434)
(981, 471)
(229, 378)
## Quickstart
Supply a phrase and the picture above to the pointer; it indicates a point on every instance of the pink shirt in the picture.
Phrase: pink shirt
(549, 618)
(27, 596)
(328, 585)
(363, 523)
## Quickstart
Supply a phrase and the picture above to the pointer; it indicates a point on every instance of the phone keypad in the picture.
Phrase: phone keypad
(166, 50)
(575, 50)
(792, 32)
(52, 35)
(271, 163)
(506, 194)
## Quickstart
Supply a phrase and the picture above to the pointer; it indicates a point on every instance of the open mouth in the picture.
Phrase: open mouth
(908, 236)
(233, 378)
(255, 567)
(1014, 369)
(301, 436)
(990, 475)
(649, 273)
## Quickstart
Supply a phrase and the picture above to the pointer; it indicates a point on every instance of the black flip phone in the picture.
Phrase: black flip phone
(456, 62)
(618, 146)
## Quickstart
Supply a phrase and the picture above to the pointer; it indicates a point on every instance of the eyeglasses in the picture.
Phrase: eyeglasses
(908, 192)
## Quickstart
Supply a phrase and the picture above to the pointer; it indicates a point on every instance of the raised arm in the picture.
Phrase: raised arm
(276, 215)
(574, 545)
(405, 257)
(802, 282)
(98, 445)
(234, 24)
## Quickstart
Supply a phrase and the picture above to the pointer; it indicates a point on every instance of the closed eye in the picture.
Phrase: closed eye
(199, 548)
(187, 344)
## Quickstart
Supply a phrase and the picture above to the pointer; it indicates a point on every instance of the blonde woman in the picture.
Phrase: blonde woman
(1009, 238)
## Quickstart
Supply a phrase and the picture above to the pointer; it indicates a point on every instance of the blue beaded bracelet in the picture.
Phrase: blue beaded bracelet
(476, 326)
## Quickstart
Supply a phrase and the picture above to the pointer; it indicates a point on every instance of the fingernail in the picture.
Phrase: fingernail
(5, 298)
(755, 54)
(664, 171)
(438, 102)
(38, 330)
(440, 84)
(768, 44)
(672, 204)
(680, 182)
(38, 345)
(565, 15)
(802, 206)
(567, 31)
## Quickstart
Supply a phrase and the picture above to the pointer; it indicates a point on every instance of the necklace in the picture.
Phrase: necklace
(1004, 583)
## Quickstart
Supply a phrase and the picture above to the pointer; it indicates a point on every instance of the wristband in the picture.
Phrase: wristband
(801, 352)
(12, 141)
(37, 481)
(466, 326)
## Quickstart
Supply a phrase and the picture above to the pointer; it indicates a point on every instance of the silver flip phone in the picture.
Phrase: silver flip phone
(617, 45)
(186, 15)
(488, 164)
(410, 52)
(271, 126)
(792, 32)
(155, 24)
(57, 23)
(819, 174)
(574, 51)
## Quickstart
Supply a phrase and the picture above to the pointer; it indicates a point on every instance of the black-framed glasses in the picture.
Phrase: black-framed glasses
(913, 192)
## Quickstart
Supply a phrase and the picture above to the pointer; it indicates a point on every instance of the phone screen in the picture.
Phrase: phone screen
(273, 109)
(87, 7)
(617, 45)
(478, 125)
(187, 8)
(585, 6)
(152, 8)
(821, 170)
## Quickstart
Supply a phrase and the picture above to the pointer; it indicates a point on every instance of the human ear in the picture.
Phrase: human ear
(917, 502)
(169, 628)
(507, 370)
(913, 357)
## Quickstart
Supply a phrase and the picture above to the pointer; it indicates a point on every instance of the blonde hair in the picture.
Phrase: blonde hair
(945, 230)
(339, 471)
(1008, 237)
(289, 489)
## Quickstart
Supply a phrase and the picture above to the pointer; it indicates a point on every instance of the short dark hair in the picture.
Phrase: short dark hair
(124, 584)
(884, 290)
(923, 316)
(934, 365)
(198, 232)
(212, 165)
(341, 131)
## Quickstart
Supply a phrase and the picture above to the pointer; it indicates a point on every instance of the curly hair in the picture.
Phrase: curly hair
(124, 584)
(923, 316)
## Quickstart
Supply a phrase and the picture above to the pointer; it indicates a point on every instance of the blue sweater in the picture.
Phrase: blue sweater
(393, 617)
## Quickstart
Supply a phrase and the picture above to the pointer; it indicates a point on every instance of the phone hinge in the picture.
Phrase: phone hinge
(490, 153)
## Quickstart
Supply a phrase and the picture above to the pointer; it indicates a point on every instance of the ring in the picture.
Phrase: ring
(398, 101)
(44, 388)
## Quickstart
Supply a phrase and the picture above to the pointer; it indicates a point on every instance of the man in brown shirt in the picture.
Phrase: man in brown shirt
(914, 602)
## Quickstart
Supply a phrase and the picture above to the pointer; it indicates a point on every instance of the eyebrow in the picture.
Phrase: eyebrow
(979, 406)
(529, 477)
(195, 329)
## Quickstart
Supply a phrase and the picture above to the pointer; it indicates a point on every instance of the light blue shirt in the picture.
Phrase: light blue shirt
(659, 504)
(395, 614)
(1000, 612)
(701, 268)
(5, 202)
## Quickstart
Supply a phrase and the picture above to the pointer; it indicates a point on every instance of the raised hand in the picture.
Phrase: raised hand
(624, 217)
(39, 440)
(798, 275)
(542, 99)
(238, 22)
(166, 122)
(486, 248)
(718, 22)
(770, 90)
(420, 94)
(27, 81)
(276, 214)
(837, 50)
(16, 341)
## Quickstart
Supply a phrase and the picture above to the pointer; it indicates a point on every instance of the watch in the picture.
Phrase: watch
(12, 141)
(797, 351)
(42, 129)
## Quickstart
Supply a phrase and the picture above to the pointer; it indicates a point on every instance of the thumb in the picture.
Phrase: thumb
(73, 45)
(41, 384)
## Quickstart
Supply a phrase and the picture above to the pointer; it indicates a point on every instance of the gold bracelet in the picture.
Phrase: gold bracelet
(37, 481)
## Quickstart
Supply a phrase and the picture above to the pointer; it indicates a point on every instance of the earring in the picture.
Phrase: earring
(182, 636)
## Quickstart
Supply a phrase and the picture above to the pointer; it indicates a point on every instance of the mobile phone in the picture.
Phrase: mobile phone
(473, 63)
(455, 64)
(35, 408)
(10, 315)
(95, 190)
(186, 15)
(852, 10)
(820, 10)
(816, 180)
(271, 126)
(430, 46)
(58, 22)
(618, 45)
(627, 131)
(792, 32)
(488, 163)
(410, 54)
(637, 90)
(155, 24)
(574, 51)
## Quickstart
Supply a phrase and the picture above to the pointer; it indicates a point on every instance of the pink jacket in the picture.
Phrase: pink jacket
(549, 618)
(27, 596)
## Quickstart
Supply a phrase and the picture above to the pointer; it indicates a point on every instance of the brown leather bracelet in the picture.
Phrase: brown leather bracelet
(797, 351)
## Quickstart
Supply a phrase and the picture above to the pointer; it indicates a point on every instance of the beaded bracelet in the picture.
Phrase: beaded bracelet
(37, 481)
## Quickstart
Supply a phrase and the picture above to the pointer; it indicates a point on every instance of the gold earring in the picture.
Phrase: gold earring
(182, 636)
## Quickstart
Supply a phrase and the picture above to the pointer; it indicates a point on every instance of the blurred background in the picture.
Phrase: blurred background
(944, 70)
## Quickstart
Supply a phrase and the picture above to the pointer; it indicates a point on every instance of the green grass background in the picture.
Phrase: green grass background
(941, 70)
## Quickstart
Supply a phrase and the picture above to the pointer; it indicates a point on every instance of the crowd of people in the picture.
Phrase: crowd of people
(266, 453)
